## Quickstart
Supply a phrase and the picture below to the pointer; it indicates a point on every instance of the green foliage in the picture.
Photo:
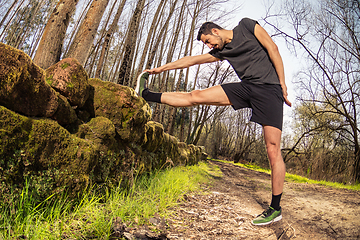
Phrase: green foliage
(93, 213)
(323, 149)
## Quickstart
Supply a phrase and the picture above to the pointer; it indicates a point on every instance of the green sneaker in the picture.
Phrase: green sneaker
(267, 217)
(141, 83)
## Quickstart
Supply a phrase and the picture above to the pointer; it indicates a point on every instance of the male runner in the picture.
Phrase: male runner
(257, 62)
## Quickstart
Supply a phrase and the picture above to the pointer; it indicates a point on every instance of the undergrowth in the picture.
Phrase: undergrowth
(92, 215)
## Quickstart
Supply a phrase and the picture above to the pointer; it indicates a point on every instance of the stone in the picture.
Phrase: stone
(70, 79)
(22, 85)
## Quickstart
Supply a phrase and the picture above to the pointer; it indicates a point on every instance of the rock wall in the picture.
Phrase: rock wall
(60, 130)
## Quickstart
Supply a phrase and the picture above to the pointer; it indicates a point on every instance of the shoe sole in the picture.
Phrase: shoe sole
(137, 88)
(278, 218)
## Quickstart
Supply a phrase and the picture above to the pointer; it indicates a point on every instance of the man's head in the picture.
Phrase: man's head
(206, 29)
(209, 34)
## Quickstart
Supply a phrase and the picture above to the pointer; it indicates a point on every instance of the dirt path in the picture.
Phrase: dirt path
(309, 211)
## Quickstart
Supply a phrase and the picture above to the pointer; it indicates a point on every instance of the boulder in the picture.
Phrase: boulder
(22, 85)
(154, 136)
(64, 114)
(44, 151)
(115, 137)
(70, 79)
(99, 130)
(123, 107)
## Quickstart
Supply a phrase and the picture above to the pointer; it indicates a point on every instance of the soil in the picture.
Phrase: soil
(233, 200)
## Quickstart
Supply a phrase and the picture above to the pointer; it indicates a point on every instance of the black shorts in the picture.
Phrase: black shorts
(265, 100)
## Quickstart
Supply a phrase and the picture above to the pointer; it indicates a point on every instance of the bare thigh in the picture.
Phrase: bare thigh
(211, 96)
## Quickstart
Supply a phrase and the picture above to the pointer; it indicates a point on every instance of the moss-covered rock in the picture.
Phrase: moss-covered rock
(154, 136)
(100, 131)
(86, 112)
(22, 85)
(33, 147)
(70, 79)
(64, 114)
(123, 107)
(115, 138)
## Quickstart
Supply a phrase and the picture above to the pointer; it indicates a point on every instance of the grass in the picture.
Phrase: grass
(299, 179)
(92, 216)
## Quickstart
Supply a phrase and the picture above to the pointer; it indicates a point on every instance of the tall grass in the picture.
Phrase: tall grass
(93, 214)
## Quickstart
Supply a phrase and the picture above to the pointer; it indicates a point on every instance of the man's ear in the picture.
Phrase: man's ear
(215, 31)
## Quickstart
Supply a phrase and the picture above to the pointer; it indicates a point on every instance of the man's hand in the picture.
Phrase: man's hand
(284, 90)
(154, 70)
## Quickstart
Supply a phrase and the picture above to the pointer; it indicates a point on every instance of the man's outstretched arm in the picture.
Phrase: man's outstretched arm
(184, 62)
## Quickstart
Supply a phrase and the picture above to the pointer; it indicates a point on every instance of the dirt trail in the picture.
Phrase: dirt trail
(309, 211)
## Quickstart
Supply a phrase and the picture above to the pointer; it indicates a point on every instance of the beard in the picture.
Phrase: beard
(220, 45)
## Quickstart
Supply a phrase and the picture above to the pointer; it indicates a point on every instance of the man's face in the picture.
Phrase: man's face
(213, 41)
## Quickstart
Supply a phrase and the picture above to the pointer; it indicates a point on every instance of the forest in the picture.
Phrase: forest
(115, 40)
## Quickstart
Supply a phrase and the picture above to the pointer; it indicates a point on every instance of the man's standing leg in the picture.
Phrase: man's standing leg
(272, 138)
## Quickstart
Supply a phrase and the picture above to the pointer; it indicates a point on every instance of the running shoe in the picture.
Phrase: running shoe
(141, 83)
(267, 217)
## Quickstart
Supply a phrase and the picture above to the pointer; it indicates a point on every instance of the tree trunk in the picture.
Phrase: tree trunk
(11, 19)
(76, 27)
(125, 67)
(356, 173)
(107, 39)
(160, 36)
(152, 31)
(49, 50)
(189, 138)
(18, 28)
(84, 38)
(8, 12)
(189, 44)
(28, 27)
(171, 123)
(36, 37)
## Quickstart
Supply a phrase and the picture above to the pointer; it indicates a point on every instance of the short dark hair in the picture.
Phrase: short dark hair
(206, 29)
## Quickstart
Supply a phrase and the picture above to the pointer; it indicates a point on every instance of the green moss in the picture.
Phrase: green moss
(65, 65)
(14, 131)
(46, 152)
(120, 104)
(50, 79)
(119, 139)
(70, 86)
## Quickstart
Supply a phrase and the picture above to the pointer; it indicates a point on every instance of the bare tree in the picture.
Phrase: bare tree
(108, 37)
(129, 45)
(328, 34)
(9, 10)
(14, 14)
(85, 36)
(50, 46)
(151, 33)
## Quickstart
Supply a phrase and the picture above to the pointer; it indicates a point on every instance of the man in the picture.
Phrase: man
(257, 62)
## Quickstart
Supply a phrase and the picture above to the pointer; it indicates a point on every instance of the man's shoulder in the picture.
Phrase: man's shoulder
(247, 20)
(247, 23)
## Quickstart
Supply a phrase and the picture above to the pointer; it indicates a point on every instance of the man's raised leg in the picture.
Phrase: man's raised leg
(211, 96)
